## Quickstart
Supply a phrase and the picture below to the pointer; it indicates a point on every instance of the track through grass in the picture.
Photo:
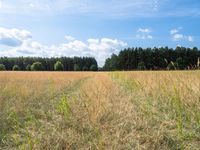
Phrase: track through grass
(117, 110)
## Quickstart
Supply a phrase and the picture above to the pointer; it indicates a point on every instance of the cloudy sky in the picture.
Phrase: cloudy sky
(95, 28)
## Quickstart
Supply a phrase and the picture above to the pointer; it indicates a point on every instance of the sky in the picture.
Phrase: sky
(95, 28)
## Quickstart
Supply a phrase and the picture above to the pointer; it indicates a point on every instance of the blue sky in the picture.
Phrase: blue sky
(95, 28)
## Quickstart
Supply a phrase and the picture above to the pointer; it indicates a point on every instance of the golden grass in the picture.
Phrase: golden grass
(117, 110)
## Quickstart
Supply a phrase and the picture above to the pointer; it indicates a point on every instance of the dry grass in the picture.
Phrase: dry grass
(118, 110)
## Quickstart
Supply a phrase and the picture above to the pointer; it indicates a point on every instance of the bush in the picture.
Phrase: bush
(28, 67)
(58, 66)
(76, 67)
(2, 67)
(16, 68)
(93, 68)
(37, 66)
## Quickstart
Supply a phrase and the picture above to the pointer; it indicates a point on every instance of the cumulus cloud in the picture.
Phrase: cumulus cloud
(177, 36)
(13, 37)
(144, 34)
(23, 45)
(98, 48)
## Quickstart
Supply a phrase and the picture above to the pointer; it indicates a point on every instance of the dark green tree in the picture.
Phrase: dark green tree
(93, 68)
(85, 68)
(180, 63)
(141, 66)
(76, 67)
(28, 67)
(172, 66)
(154, 58)
(16, 68)
(2, 67)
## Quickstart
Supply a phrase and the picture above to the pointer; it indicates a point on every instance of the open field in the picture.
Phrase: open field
(105, 110)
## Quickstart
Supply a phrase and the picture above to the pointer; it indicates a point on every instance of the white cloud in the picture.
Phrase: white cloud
(177, 36)
(98, 48)
(144, 34)
(69, 38)
(190, 38)
(13, 37)
(146, 30)
(173, 31)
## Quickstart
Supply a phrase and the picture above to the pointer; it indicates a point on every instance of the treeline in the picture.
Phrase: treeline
(48, 64)
(163, 58)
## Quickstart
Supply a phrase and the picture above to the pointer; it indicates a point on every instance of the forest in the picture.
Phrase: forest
(163, 58)
(48, 64)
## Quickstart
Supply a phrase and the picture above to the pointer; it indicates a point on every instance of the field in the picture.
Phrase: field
(103, 110)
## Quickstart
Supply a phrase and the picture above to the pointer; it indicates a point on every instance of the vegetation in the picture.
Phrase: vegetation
(76, 67)
(93, 68)
(37, 66)
(2, 67)
(16, 68)
(28, 67)
(117, 110)
(154, 59)
(58, 66)
(48, 64)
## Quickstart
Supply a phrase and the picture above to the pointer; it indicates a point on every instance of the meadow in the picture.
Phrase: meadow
(100, 110)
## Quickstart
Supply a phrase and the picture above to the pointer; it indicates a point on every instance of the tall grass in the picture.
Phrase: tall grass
(118, 110)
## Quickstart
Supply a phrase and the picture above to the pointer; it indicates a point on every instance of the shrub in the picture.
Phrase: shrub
(37, 66)
(93, 68)
(58, 66)
(2, 67)
(16, 68)
(76, 67)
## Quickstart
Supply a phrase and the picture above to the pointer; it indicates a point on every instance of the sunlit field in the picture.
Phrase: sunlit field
(103, 110)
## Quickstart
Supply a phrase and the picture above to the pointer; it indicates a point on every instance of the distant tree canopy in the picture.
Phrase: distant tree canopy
(16, 68)
(37, 66)
(76, 67)
(93, 68)
(49, 64)
(2, 67)
(58, 66)
(154, 59)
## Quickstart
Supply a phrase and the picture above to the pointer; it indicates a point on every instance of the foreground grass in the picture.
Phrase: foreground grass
(119, 110)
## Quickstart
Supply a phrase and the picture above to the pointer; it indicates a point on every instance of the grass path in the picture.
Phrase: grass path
(33, 120)
(163, 119)
(105, 111)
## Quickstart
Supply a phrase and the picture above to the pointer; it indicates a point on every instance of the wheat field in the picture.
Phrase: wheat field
(102, 110)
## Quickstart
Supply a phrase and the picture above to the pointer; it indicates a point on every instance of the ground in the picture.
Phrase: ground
(100, 110)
